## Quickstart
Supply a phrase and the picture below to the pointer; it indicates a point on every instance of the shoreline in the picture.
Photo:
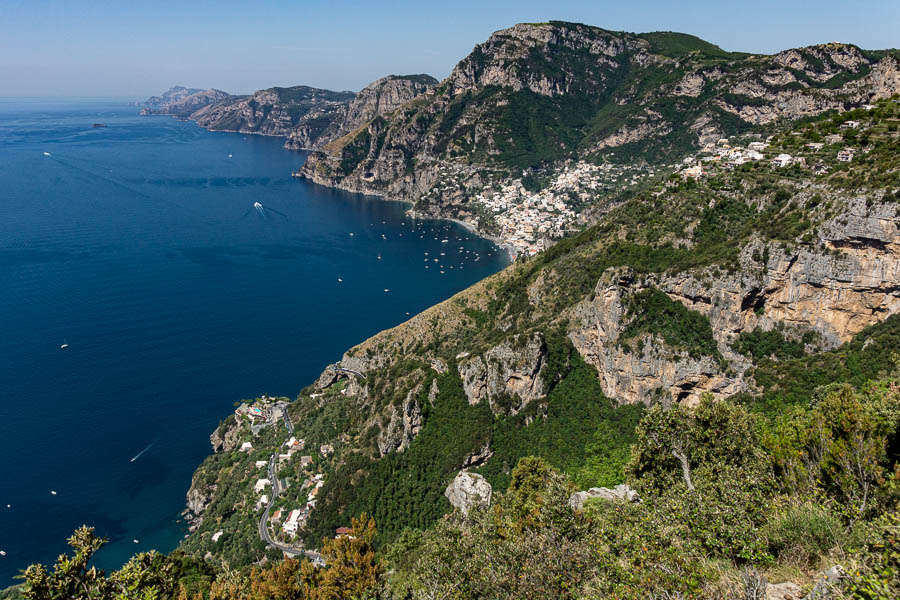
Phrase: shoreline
(505, 246)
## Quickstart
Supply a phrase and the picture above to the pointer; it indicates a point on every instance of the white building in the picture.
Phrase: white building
(782, 160)
(845, 155)
(261, 484)
(293, 522)
(246, 446)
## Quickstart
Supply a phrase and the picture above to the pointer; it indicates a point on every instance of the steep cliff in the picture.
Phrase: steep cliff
(536, 94)
(308, 117)
(378, 99)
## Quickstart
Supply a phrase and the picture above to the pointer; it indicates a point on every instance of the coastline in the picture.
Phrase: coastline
(504, 245)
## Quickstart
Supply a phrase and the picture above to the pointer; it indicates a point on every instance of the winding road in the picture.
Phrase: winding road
(276, 489)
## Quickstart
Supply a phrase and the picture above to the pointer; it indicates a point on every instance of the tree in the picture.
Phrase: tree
(351, 566)
(70, 578)
(673, 442)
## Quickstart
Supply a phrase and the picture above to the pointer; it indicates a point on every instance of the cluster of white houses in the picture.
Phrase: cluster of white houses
(723, 153)
(526, 219)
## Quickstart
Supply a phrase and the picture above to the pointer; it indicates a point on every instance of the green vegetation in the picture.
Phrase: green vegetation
(772, 344)
(582, 434)
(450, 430)
(790, 382)
(676, 45)
(684, 330)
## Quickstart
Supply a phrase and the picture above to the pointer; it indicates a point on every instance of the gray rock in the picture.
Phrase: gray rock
(379, 98)
(620, 493)
(512, 369)
(403, 424)
(827, 584)
(468, 490)
(227, 436)
(479, 457)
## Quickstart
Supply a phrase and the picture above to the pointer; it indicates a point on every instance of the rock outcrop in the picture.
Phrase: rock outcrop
(468, 490)
(226, 437)
(784, 591)
(508, 376)
(274, 111)
(403, 424)
(620, 493)
(379, 98)
(836, 294)
(199, 497)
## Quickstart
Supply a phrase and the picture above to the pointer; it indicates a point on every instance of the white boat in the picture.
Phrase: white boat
(63, 346)
(2, 553)
(386, 290)
(445, 241)
(351, 234)
(52, 492)
(135, 541)
(46, 154)
(257, 205)
(340, 280)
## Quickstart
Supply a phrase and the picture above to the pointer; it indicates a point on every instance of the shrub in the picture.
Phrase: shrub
(801, 535)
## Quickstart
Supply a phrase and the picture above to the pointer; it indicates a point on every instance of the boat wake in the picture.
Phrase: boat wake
(138, 455)
(263, 212)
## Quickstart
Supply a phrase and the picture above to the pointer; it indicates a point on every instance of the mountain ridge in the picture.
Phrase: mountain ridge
(533, 96)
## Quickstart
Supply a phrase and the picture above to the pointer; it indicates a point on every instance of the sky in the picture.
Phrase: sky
(135, 49)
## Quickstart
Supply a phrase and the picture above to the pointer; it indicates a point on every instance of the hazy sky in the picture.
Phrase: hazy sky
(131, 48)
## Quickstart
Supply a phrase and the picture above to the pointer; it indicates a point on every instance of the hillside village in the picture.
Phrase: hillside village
(809, 148)
(527, 218)
(528, 222)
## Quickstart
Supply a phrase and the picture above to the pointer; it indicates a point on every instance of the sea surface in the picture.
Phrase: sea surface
(139, 246)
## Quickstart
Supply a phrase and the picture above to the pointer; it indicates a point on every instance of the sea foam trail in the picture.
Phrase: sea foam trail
(138, 455)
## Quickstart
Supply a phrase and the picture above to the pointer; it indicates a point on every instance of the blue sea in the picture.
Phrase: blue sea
(139, 246)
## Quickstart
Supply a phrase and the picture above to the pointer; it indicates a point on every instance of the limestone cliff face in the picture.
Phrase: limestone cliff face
(378, 99)
(199, 497)
(403, 424)
(835, 293)
(510, 371)
(308, 117)
(226, 437)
